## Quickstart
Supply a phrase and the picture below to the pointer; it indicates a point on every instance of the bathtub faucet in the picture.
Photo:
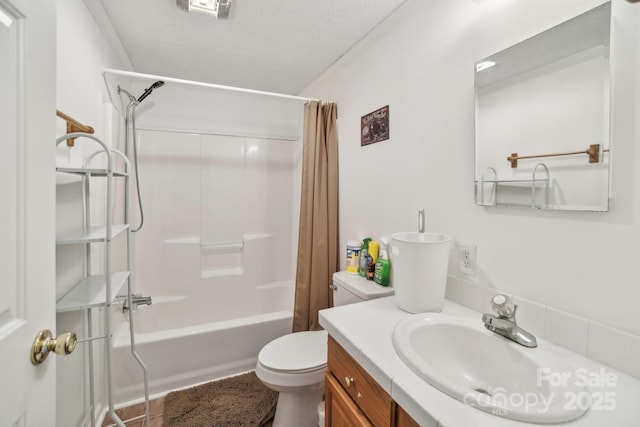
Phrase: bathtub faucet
(136, 300)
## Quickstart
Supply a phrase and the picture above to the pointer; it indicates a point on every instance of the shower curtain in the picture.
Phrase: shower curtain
(318, 231)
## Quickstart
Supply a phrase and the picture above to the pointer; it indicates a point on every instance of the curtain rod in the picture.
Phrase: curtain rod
(207, 85)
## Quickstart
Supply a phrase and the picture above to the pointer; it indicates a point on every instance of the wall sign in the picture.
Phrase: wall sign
(374, 127)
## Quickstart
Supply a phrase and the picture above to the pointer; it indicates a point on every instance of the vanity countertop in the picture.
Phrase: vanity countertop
(365, 329)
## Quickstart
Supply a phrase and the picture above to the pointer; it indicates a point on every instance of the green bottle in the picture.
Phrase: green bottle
(381, 273)
(364, 257)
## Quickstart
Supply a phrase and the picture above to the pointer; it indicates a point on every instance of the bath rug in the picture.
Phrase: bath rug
(235, 401)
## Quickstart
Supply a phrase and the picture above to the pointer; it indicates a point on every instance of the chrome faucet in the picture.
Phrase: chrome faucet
(505, 322)
(136, 300)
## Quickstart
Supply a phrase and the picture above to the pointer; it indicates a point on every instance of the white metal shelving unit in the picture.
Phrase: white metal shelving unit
(99, 290)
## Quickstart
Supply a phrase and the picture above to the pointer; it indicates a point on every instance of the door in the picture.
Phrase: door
(27, 208)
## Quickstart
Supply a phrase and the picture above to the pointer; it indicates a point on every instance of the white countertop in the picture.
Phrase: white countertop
(365, 330)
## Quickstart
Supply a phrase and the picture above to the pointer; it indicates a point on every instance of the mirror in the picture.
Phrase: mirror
(542, 119)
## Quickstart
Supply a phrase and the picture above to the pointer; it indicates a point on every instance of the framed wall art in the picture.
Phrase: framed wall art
(374, 127)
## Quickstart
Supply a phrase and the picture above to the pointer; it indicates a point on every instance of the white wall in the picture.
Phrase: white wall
(82, 53)
(420, 62)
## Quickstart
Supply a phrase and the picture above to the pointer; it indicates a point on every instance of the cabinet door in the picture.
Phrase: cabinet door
(341, 411)
(404, 419)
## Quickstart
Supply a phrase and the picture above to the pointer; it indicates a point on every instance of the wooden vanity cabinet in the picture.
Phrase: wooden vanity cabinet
(404, 420)
(354, 399)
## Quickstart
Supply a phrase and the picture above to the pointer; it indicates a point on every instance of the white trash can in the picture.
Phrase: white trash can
(419, 264)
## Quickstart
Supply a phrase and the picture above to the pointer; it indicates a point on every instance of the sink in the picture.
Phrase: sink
(461, 358)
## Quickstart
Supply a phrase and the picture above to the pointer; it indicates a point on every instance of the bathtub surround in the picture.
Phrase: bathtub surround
(318, 236)
(216, 253)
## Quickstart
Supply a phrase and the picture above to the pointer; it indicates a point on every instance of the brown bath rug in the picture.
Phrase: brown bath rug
(236, 401)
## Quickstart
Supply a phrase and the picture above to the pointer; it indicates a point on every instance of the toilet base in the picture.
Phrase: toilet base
(298, 409)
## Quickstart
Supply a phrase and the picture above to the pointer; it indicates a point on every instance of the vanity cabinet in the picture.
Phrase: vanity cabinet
(354, 398)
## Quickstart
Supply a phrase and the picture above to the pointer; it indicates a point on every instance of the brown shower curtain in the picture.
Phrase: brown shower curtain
(318, 234)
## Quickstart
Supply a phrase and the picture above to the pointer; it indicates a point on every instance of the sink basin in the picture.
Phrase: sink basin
(461, 358)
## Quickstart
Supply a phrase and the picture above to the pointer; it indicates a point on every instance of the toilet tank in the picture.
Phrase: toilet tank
(351, 288)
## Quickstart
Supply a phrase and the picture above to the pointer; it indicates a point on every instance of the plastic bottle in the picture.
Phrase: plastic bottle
(381, 273)
(374, 249)
(364, 257)
(353, 257)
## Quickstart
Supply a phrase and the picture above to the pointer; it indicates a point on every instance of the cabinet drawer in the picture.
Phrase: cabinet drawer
(341, 410)
(364, 390)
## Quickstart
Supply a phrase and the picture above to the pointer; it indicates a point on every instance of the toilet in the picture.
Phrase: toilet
(294, 365)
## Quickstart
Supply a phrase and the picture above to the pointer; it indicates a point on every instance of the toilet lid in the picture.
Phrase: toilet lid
(297, 352)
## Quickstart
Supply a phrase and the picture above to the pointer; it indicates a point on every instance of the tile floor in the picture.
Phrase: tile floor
(133, 416)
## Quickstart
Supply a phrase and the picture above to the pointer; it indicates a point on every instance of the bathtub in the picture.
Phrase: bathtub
(184, 345)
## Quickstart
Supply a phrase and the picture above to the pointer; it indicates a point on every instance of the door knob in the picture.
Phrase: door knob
(44, 343)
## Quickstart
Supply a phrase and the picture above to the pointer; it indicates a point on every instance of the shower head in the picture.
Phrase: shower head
(150, 89)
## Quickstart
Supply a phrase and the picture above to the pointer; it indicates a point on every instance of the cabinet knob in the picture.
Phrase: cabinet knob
(349, 381)
(44, 343)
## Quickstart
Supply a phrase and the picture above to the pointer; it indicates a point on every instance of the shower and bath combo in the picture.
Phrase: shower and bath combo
(130, 116)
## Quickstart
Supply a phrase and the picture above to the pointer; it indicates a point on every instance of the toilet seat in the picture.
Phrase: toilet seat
(296, 353)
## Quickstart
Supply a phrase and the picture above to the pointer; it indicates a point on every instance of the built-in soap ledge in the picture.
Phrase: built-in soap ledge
(183, 241)
(221, 272)
(221, 247)
(208, 248)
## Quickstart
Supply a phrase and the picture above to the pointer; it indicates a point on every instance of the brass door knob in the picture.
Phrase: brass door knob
(44, 343)
(349, 380)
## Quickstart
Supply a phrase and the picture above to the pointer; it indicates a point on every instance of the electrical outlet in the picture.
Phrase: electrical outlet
(467, 259)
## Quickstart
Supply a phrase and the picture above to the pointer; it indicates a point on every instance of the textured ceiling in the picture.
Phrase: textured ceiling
(273, 45)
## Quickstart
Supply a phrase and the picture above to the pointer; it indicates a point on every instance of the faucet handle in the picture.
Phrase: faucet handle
(503, 305)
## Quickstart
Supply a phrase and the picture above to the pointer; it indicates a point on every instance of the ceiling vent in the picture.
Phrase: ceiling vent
(218, 8)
